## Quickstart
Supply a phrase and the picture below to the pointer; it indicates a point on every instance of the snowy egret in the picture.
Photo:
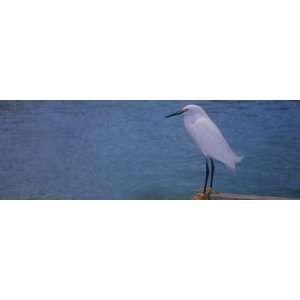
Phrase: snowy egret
(209, 139)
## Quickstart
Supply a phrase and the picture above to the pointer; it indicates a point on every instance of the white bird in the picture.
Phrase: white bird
(209, 139)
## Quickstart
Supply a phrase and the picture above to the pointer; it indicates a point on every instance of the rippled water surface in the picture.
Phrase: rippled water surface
(128, 150)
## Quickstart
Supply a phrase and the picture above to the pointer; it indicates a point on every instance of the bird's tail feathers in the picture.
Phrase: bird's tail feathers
(232, 164)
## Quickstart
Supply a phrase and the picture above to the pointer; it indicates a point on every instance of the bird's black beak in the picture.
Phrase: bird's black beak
(175, 114)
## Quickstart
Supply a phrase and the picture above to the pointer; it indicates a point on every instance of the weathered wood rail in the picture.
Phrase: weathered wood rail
(225, 196)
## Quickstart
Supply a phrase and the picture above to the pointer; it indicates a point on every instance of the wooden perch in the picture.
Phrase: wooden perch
(225, 196)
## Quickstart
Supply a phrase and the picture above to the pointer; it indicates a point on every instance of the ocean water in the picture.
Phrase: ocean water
(128, 150)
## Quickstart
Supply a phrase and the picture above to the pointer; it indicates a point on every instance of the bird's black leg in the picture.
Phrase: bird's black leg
(206, 175)
(212, 172)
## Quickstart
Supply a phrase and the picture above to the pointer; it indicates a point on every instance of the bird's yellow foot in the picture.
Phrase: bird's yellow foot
(209, 191)
(201, 196)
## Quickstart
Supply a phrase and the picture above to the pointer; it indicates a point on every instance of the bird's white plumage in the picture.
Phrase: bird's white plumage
(208, 136)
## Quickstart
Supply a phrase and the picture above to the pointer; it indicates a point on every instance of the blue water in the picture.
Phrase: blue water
(128, 150)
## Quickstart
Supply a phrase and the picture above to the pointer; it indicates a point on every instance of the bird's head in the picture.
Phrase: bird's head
(190, 109)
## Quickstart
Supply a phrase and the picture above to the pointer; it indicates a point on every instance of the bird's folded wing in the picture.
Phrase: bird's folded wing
(212, 142)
